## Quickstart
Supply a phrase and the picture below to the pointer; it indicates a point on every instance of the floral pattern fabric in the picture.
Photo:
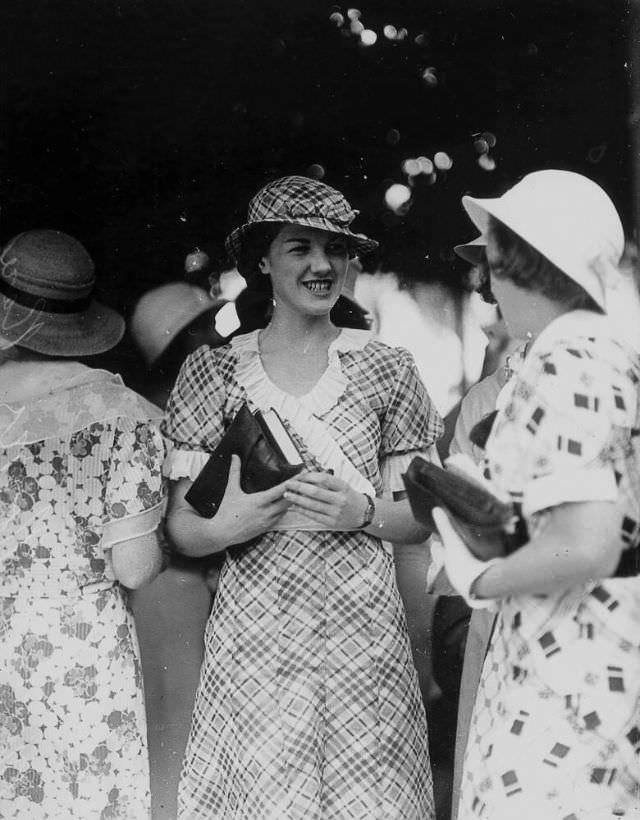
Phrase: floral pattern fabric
(556, 727)
(81, 467)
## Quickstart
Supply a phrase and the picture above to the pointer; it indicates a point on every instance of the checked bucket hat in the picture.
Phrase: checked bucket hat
(300, 200)
(46, 282)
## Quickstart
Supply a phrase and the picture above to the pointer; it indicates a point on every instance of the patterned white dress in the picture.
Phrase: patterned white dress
(308, 706)
(556, 727)
(80, 469)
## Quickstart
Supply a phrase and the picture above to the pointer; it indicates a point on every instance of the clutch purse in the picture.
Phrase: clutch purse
(267, 452)
(491, 528)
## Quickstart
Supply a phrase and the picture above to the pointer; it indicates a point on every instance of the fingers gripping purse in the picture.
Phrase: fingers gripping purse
(490, 527)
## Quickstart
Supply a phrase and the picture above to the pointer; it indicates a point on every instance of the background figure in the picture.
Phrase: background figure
(472, 425)
(82, 498)
(442, 330)
(169, 323)
(308, 705)
(555, 719)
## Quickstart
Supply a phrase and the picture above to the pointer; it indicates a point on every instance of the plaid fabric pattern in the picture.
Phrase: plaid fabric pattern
(384, 411)
(308, 706)
(556, 727)
(301, 201)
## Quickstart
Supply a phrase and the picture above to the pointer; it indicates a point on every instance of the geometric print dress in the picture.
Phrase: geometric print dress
(308, 706)
(556, 727)
(80, 470)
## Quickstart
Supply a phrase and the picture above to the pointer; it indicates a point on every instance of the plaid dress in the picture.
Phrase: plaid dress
(556, 727)
(308, 705)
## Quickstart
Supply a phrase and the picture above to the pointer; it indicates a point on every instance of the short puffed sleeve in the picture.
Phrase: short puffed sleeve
(411, 425)
(193, 423)
(564, 435)
(135, 492)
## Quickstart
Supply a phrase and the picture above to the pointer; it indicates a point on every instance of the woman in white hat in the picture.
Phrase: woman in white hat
(308, 704)
(81, 496)
(556, 725)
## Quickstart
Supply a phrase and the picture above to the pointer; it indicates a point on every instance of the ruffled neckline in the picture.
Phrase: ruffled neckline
(304, 413)
(326, 392)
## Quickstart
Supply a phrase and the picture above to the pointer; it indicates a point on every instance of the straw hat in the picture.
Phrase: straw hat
(162, 313)
(46, 280)
(567, 218)
(300, 200)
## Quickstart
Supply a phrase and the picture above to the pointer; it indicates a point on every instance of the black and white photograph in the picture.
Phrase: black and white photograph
(320, 410)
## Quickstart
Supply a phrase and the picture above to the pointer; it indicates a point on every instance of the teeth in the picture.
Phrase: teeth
(318, 287)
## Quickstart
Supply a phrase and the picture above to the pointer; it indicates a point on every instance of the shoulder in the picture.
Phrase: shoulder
(582, 375)
(359, 346)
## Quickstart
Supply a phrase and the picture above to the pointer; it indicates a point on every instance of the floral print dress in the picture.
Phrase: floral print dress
(79, 471)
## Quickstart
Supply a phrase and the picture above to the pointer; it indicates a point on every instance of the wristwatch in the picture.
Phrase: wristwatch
(370, 511)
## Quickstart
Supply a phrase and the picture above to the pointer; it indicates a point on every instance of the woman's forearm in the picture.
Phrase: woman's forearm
(194, 535)
(393, 521)
(580, 543)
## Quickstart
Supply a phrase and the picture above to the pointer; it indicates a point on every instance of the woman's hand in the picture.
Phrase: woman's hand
(240, 517)
(328, 500)
(462, 567)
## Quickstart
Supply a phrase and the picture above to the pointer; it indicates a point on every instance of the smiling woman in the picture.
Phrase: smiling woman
(308, 704)
(308, 258)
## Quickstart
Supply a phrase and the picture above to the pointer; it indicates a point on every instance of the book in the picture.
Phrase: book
(490, 527)
(268, 453)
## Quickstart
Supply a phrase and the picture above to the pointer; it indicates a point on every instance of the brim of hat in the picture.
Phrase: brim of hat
(473, 252)
(94, 331)
(480, 211)
(360, 243)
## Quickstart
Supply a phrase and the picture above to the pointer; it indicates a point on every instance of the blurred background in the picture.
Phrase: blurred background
(143, 127)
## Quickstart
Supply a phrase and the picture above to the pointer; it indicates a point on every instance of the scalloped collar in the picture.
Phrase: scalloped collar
(323, 395)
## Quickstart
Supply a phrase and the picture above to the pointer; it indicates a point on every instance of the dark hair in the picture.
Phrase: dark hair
(255, 244)
(527, 268)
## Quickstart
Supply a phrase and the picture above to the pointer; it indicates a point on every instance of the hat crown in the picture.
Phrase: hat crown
(567, 218)
(161, 313)
(296, 197)
(570, 205)
(48, 263)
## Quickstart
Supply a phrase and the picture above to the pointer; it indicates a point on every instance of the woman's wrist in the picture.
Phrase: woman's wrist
(483, 587)
(368, 513)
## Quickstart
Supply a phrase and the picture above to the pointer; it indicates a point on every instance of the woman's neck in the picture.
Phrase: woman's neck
(296, 332)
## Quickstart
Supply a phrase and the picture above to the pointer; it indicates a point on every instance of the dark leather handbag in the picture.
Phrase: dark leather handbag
(267, 459)
(490, 527)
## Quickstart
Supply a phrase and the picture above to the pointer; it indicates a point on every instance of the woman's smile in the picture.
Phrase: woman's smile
(319, 287)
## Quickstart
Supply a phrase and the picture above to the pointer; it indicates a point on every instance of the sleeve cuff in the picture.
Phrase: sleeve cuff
(394, 466)
(586, 484)
(184, 463)
(132, 526)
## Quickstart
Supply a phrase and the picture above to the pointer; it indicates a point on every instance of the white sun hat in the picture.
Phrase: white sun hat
(567, 218)
(473, 252)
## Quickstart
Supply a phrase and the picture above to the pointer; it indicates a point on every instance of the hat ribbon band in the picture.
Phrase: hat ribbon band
(43, 303)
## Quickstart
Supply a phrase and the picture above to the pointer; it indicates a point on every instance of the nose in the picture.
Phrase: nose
(319, 262)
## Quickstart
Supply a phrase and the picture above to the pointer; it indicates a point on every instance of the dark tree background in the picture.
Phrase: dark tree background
(143, 126)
